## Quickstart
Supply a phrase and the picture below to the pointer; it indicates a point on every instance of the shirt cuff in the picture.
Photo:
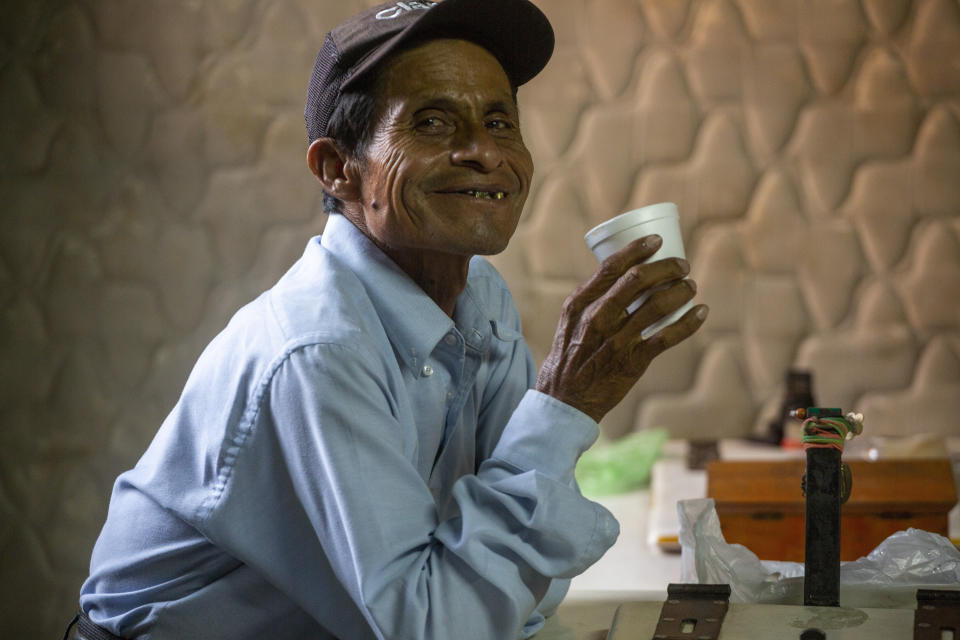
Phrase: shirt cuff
(546, 435)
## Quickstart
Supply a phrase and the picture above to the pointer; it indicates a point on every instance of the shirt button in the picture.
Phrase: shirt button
(427, 370)
(450, 339)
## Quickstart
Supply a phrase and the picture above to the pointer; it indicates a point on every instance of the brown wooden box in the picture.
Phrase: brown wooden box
(761, 506)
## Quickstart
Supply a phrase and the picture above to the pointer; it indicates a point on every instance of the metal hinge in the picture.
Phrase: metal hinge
(693, 612)
(937, 615)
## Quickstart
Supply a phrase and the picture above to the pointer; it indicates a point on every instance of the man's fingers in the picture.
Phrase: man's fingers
(641, 351)
(639, 279)
(678, 331)
(605, 298)
(661, 302)
(615, 266)
(644, 284)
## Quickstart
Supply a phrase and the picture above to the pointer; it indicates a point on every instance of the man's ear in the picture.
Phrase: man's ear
(333, 169)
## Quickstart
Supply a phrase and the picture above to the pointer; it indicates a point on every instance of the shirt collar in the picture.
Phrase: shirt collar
(413, 322)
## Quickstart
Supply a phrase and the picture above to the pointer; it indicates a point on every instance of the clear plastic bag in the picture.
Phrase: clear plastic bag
(888, 576)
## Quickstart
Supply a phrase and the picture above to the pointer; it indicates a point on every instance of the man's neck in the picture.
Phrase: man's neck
(442, 276)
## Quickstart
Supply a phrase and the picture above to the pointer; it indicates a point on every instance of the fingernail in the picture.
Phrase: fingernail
(692, 285)
(702, 311)
(652, 242)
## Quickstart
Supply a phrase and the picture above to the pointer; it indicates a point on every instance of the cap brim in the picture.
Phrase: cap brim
(516, 32)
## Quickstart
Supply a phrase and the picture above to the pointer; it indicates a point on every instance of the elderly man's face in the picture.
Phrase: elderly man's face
(447, 170)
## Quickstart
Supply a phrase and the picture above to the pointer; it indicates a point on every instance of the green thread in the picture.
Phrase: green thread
(829, 433)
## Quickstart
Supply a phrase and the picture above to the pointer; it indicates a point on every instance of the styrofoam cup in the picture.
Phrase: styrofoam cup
(662, 219)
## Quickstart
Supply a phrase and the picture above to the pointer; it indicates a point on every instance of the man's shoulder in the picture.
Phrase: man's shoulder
(320, 296)
(318, 301)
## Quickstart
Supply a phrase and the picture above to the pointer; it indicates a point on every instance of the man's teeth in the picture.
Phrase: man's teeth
(498, 195)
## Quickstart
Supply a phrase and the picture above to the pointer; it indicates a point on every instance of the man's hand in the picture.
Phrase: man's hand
(598, 352)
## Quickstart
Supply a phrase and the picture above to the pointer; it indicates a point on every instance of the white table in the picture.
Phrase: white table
(636, 568)
(635, 572)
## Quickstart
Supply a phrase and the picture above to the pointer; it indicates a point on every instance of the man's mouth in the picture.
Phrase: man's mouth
(485, 195)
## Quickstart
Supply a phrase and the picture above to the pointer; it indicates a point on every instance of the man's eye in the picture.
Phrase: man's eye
(431, 122)
(499, 124)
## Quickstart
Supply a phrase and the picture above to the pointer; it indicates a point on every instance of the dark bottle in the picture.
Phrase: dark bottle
(784, 430)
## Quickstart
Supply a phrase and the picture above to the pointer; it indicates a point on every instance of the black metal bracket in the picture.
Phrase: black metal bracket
(846, 484)
(938, 611)
(693, 612)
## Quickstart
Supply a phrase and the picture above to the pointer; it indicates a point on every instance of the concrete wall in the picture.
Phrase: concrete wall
(152, 180)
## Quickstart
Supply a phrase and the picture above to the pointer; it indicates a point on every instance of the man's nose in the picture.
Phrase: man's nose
(477, 148)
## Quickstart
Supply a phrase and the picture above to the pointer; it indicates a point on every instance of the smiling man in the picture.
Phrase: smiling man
(367, 450)
(446, 172)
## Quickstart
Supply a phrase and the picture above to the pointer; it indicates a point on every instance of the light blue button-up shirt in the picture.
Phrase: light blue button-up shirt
(348, 461)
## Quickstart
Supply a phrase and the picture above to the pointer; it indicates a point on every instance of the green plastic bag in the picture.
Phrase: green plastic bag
(620, 466)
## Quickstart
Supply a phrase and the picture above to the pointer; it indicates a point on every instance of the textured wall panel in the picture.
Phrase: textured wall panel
(152, 180)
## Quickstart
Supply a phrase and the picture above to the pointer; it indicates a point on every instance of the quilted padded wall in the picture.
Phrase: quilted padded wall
(152, 181)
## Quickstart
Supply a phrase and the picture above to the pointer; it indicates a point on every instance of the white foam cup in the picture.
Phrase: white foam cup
(662, 219)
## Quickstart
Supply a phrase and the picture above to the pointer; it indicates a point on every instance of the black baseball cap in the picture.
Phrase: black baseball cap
(515, 31)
